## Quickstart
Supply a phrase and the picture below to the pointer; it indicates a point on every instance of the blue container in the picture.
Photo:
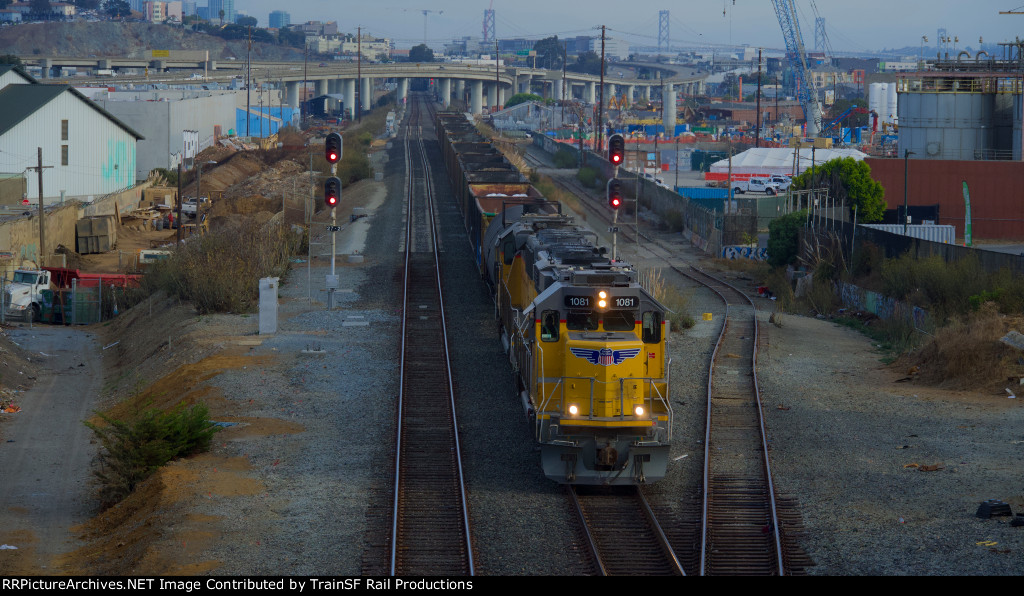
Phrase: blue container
(703, 192)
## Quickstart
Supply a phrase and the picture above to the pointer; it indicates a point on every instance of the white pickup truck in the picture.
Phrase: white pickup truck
(190, 206)
(24, 294)
(755, 185)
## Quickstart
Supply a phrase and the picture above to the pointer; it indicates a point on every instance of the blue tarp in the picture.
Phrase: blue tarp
(273, 119)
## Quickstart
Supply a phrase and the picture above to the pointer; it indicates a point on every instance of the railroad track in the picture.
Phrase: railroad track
(622, 532)
(740, 525)
(430, 521)
(740, 522)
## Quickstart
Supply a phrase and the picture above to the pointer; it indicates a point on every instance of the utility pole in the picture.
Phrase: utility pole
(359, 73)
(564, 57)
(757, 140)
(248, 83)
(42, 213)
(496, 72)
(599, 129)
(178, 219)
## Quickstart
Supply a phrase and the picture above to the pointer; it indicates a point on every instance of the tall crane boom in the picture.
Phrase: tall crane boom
(807, 94)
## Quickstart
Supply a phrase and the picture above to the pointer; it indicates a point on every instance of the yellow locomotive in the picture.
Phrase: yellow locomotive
(588, 345)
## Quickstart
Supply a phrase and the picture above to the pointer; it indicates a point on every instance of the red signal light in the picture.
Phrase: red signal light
(332, 191)
(332, 148)
(616, 149)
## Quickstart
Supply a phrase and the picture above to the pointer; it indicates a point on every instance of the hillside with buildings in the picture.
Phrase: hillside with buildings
(126, 40)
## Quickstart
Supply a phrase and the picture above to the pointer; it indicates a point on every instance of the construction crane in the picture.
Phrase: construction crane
(425, 13)
(807, 94)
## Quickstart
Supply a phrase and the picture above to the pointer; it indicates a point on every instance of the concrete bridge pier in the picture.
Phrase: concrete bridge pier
(630, 93)
(403, 90)
(460, 89)
(477, 96)
(668, 110)
(366, 94)
(321, 87)
(446, 92)
(589, 95)
(348, 89)
(292, 88)
(556, 90)
(647, 93)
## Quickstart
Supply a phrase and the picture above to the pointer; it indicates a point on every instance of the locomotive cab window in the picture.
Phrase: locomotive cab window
(549, 326)
(581, 320)
(619, 320)
(651, 333)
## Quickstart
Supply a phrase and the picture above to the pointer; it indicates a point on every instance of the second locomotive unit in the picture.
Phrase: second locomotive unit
(586, 341)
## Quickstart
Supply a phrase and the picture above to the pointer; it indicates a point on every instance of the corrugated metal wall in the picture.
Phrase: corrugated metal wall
(996, 189)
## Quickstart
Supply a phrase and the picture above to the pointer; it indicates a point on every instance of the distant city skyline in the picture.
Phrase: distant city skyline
(869, 25)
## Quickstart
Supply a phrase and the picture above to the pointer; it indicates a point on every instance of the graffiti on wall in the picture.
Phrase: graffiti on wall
(744, 252)
(883, 307)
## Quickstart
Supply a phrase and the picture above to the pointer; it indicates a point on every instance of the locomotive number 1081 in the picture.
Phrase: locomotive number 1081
(588, 302)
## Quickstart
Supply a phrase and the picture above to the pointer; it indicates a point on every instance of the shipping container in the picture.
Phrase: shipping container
(934, 233)
(703, 192)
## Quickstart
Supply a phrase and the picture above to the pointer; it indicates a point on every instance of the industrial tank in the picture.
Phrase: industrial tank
(948, 125)
(891, 104)
(875, 93)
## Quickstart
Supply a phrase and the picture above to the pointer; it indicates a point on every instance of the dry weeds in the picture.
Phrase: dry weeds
(967, 354)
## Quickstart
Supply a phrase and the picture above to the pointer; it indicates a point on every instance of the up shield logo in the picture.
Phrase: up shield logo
(605, 356)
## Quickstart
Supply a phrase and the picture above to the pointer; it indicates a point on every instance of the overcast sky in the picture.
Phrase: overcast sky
(851, 25)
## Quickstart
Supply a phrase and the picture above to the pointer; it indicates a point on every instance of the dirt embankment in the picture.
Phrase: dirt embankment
(126, 40)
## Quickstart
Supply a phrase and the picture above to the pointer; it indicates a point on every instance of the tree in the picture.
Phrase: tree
(117, 8)
(246, 21)
(519, 98)
(10, 59)
(848, 181)
(549, 53)
(421, 53)
(4, 4)
(588, 63)
(81, 4)
(784, 238)
(291, 37)
(221, 14)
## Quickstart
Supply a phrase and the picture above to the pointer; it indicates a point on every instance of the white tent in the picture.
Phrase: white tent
(768, 160)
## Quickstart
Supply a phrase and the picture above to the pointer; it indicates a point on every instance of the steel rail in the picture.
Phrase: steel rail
(433, 493)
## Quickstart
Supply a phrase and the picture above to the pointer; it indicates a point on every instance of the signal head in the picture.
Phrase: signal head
(332, 192)
(614, 193)
(332, 148)
(616, 149)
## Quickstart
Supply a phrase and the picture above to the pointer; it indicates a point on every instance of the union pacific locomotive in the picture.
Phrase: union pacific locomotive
(586, 341)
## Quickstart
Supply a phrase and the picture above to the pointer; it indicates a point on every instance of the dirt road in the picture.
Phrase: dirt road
(46, 452)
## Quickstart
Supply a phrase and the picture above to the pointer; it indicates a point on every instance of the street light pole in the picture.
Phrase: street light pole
(906, 163)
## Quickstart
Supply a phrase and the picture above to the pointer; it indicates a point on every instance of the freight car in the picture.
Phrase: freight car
(586, 341)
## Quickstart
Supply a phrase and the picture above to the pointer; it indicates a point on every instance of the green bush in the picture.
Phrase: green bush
(673, 220)
(784, 238)
(132, 451)
(564, 159)
(588, 177)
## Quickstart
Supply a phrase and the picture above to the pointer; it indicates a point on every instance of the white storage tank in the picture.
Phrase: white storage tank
(891, 110)
(875, 93)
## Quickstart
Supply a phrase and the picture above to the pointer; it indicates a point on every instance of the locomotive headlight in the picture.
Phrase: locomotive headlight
(602, 294)
(574, 409)
(602, 301)
(639, 411)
